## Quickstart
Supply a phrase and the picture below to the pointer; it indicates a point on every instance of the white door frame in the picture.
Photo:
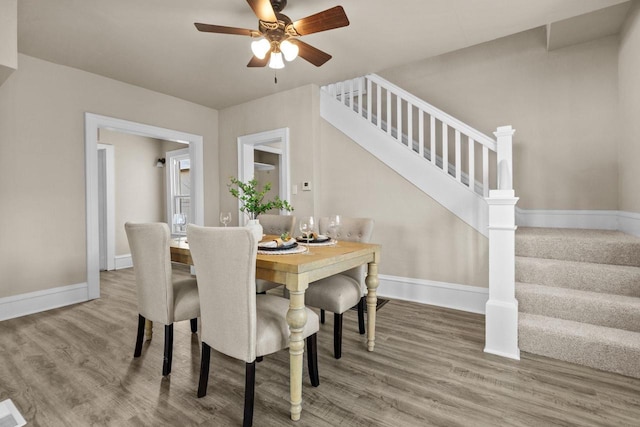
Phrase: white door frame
(169, 183)
(258, 141)
(93, 122)
(107, 202)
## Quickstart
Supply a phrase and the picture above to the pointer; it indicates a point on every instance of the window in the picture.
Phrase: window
(178, 190)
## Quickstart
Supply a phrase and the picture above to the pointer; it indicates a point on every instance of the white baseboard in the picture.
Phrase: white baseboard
(449, 295)
(123, 261)
(628, 222)
(35, 302)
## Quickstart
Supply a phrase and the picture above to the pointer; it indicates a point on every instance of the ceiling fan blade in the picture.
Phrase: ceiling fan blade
(322, 21)
(263, 10)
(208, 28)
(310, 53)
(257, 62)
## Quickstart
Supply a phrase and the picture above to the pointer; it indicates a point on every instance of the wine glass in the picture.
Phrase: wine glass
(334, 227)
(180, 220)
(306, 228)
(225, 218)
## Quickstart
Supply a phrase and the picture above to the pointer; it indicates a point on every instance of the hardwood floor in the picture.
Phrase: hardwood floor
(74, 366)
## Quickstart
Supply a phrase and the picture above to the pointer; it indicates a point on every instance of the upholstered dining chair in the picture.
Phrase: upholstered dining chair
(340, 292)
(235, 320)
(276, 225)
(160, 298)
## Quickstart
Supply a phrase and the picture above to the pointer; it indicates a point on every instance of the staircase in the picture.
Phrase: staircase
(466, 171)
(579, 297)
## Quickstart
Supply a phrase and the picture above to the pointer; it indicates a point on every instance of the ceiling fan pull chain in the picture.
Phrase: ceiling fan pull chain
(275, 77)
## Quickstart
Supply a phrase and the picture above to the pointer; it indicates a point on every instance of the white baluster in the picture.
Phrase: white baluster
(360, 94)
(342, 93)
(458, 157)
(409, 125)
(379, 107)
(351, 94)
(369, 93)
(445, 148)
(421, 133)
(472, 165)
(399, 119)
(433, 139)
(389, 113)
(485, 171)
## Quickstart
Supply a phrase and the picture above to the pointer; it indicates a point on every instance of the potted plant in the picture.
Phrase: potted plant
(252, 201)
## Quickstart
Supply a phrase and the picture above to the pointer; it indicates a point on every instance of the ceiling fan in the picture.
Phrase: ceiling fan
(277, 35)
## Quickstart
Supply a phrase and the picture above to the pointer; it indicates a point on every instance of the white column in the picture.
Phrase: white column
(501, 318)
(504, 137)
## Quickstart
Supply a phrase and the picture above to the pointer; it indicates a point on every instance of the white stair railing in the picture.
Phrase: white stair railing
(481, 164)
(421, 128)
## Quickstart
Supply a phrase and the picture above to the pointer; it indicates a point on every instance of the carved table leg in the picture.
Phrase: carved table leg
(296, 318)
(372, 301)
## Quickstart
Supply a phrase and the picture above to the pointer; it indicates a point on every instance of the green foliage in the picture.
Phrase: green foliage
(252, 200)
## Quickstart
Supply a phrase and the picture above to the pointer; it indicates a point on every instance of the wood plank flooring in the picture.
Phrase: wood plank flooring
(74, 366)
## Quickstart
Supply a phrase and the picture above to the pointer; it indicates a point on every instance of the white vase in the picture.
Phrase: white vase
(255, 226)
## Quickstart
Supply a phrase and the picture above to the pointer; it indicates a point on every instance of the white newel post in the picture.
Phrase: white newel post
(501, 319)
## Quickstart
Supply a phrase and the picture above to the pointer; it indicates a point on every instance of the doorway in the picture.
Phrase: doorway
(93, 123)
(273, 141)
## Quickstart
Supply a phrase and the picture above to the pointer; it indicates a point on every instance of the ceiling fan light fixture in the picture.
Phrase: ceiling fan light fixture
(289, 50)
(276, 61)
(260, 47)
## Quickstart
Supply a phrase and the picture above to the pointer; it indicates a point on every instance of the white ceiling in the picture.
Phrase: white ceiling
(153, 43)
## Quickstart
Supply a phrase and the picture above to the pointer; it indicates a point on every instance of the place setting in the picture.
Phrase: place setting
(283, 245)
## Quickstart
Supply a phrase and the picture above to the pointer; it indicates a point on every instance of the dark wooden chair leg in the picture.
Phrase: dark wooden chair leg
(140, 337)
(249, 391)
(361, 315)
(337, 335)
(204, 369)
(322, 316)
(168, 349)
(312, 359)
(194, 325)
(259, 359)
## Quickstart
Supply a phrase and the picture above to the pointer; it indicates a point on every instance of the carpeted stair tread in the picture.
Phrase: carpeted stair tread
(604, 278)
(613, 311)
(597, 246)
(609, 349)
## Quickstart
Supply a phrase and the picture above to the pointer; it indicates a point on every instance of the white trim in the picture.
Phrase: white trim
(93, 122)
(108, 228)
(123, 261)
(35, 302)
(170, 180)
(450, 295)
(628, 222)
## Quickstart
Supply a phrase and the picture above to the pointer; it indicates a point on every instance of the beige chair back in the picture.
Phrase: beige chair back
(225, 263)
(277, 224)
(149, 244)
(352, 230)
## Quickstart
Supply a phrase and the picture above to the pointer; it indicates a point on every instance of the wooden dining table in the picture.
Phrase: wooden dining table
(296, 272)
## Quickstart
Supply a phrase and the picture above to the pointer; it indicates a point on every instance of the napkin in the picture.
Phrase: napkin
(313, 236)
(277, 243)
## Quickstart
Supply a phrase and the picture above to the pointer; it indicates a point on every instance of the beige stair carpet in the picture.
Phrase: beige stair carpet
(579, 296)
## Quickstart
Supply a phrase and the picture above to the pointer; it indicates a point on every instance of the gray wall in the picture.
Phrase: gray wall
(629, 147)
(42, 172)
(140, 192)
(563, 105)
